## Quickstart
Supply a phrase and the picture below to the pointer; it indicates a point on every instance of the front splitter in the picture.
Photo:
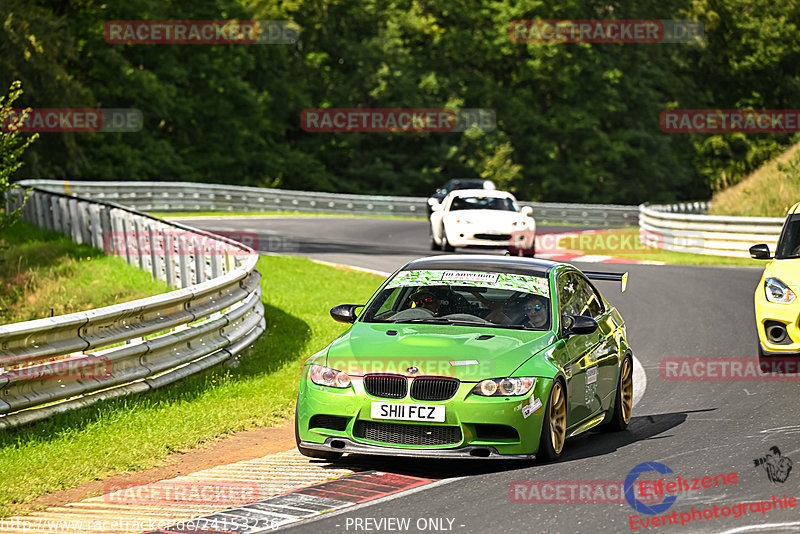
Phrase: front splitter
(472, 452)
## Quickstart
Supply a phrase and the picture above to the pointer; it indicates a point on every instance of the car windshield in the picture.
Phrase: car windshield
(789, 244)
(465, 184)
(483, 203)
(496, 305)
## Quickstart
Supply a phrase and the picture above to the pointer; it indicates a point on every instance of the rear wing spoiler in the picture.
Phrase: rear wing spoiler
(613, 277)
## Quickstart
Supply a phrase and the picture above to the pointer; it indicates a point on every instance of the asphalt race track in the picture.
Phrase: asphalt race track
(696, 428)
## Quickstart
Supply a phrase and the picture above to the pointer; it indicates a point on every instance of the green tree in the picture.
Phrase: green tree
(12, 146)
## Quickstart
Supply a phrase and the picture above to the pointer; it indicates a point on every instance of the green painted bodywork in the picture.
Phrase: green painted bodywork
(547, 355)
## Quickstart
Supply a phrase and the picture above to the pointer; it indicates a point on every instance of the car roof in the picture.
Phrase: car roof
(468, 181)
(480, 193)
(483, 262)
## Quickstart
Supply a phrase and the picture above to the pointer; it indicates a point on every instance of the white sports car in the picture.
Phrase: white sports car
(482, 218)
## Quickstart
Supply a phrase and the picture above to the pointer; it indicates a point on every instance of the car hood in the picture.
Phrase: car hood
(788, 271)
(439, 350)
(494, 217)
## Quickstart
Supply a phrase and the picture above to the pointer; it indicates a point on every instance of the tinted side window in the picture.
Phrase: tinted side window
(577, 297)
(569, 302)
(789, 244)
(593, 304)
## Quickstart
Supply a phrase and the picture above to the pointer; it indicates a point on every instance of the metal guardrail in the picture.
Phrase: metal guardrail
(60, 363)
(186, 196)
(686, 228)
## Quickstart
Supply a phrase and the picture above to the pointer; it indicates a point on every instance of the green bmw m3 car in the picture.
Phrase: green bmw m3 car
(469, 356)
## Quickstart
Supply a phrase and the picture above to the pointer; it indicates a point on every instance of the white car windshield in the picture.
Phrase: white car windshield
(483, 203)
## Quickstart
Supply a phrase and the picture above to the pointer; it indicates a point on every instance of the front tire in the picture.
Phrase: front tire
(446, 247)
(623, 401)
(312, 453)
(554, 425)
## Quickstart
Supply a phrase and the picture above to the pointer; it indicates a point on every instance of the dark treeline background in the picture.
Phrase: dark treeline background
(576, 122)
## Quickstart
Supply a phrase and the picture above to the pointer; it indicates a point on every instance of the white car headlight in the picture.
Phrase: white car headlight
(504, 387)
(778, 292)
(325, 376)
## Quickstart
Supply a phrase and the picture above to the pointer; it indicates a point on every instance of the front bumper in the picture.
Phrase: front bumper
(472, 451)
(466, 236)
(784, 314)
(473, 419)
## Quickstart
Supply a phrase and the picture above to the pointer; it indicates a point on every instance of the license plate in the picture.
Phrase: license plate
(408, 412)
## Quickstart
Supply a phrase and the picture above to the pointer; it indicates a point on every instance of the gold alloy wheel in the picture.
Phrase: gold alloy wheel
(626, 389)
(558, 418)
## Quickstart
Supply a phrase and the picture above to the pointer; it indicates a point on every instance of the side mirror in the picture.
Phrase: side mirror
(345, 313)
(760, 252)
(526, 211)
(437, 207)
(578, 324)
(432, 201)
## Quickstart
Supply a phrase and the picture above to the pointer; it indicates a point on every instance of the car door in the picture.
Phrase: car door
(579, 350)
(605, 357)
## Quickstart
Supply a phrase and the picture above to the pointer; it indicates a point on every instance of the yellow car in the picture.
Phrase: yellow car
(777, 305)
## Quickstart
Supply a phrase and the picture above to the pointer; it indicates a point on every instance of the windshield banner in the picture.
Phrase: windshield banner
(515, 282)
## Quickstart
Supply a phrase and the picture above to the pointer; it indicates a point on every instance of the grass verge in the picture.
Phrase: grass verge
(44, 273)
(134, 433)
(624, 243)
(768, 192)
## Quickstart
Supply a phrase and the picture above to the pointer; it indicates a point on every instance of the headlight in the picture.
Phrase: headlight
(777, 291)
(504, 387)
(325, 376)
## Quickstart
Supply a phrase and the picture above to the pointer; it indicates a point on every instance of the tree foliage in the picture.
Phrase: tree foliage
(575, 122)
(12, 146)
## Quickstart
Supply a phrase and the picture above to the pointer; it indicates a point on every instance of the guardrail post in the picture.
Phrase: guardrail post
(131, 239)
(105, 228)
(74, 221)
(199, 262)
(143, 242)
(85, 223)
(216, 260)
(183, 261)
(169, 257)
(117, 235)
(156, 252)
(95, 229)
(38, 202)
(63, 209)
